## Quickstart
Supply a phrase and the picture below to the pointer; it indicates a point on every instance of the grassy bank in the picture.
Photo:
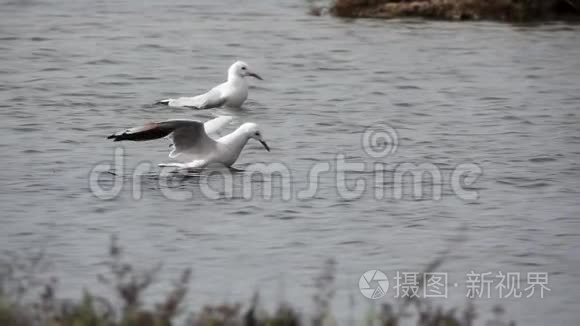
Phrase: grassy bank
(28, 299)
(501, 10)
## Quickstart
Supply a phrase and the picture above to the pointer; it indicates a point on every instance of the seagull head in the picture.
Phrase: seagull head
(241, 69)
(252, 131)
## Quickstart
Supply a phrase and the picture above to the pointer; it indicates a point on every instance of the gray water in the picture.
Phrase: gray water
(502, 97)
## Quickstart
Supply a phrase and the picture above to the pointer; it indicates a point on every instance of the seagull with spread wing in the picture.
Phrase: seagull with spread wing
(193, 143)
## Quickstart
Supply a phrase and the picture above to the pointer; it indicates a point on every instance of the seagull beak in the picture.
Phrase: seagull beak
(265, 145)
(255, 75)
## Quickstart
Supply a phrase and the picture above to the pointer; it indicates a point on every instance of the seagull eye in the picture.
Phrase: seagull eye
(257, 134)
(243, 68)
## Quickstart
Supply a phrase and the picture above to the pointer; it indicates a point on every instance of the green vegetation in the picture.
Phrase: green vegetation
(502, 10)
(27, 300)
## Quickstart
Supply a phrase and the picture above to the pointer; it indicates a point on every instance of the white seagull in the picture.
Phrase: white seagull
(232, 93)
(191, 142)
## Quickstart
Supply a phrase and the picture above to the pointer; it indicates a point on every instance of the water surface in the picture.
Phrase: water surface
(500, 96)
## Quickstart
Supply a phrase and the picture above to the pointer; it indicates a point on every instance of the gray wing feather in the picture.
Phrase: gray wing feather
(209, 100)
(188, 137)
(150, 131)
(214, 126)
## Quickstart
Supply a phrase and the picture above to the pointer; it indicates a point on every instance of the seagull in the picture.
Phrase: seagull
(192, 142)
(232, 93)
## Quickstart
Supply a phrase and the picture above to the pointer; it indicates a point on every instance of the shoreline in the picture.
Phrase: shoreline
(459, 10)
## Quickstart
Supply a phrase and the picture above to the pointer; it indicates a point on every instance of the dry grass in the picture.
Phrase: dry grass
(503, 10)
(29, 300)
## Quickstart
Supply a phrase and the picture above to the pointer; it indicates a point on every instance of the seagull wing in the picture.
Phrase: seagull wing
(150, 131)
(212, 99)
(213, 126)
(188, 137)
